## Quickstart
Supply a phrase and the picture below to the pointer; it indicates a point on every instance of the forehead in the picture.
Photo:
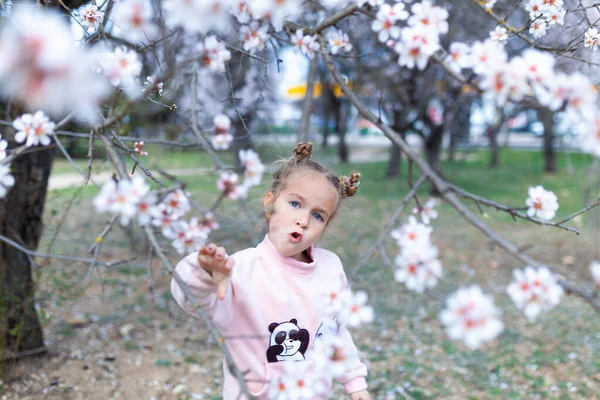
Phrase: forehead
(313, 187)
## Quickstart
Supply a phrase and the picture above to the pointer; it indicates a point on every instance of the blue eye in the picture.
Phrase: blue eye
(318, 216)
(294, 204)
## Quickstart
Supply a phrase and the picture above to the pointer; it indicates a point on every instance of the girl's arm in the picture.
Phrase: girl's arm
(204, 291)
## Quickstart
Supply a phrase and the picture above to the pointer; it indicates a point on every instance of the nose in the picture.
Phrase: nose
(302, 220)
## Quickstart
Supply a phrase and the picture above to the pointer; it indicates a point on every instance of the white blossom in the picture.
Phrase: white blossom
(43, 68)
(535, 8)
(33, 129)
(145, 209)
(297, 382)
(416, 46)
(133, 20)
(541, 203)
(471, 316)
(489, 4)
(427, 211)
(335, 303)
(555, 16)
(242, 11)
(254, 36)
(332, 356)
(199, 15)
(338, 40)
(6, 180)
(91, 17)
(538, 28)
(429, 17)
(418, 267)
(3, 145)
(253, 167)
(162, 218)
(534, 291)
(221, 138)
(208, 224)
(177, 203)
(122, 198)
(487, 56)
(591, 39)
(412, 234)
(459, 56)
(227, 184)
(306, 43)
(590, 136)
(277, 11)
(151, 81)
(358, 311)
(385, 20)
(189, 237)
(499, 34)
(122, 67)
(213, 53)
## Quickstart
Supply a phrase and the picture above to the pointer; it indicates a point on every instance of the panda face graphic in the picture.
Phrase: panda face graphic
(288, 342)
(289, 337)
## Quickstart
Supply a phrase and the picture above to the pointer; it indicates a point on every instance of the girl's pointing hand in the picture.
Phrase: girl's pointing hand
(214, 260)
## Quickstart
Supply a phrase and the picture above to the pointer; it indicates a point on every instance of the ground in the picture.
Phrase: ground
(125, 340)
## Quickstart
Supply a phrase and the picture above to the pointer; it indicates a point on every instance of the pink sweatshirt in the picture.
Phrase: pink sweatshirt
(269, 297)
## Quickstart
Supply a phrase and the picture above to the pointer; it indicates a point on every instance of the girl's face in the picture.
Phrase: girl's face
(300, 213)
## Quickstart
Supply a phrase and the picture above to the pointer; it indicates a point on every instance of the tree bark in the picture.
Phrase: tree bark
(21, 220)
(495, 156)
(342, 124)
(303, 131)
(395, 162)
(547, 118)
(433, 144)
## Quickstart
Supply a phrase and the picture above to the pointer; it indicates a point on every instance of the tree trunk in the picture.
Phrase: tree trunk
(547, 118)
(395, 163)
(433, 144)
(303, 131)
(21, 220)
(342, 124)
(495, 156)
(459, 125)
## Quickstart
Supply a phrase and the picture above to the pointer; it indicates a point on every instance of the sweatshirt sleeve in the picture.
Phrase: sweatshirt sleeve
(204, 291)
(354, 380)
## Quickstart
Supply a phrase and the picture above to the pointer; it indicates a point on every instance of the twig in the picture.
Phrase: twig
(387, 227)
(60, 256)
(443, 187)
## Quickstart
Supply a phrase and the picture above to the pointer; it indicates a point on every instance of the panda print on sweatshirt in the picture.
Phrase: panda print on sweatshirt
(288, 342)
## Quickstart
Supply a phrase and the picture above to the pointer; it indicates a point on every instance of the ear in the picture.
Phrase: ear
(268, 204)
(272, 326)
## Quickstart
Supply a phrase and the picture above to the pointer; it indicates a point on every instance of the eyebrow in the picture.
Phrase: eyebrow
(316, 208)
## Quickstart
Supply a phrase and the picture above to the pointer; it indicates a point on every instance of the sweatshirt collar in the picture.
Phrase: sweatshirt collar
(271, 255)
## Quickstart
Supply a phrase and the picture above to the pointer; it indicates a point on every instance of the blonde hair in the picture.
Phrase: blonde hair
(345, 186)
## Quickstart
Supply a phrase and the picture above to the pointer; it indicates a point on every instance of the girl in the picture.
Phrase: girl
(269, 297)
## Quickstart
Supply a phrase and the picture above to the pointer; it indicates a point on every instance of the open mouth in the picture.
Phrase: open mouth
(295, 237)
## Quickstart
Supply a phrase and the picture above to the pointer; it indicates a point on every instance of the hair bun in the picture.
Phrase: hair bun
(349, 185)
(303, 151)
